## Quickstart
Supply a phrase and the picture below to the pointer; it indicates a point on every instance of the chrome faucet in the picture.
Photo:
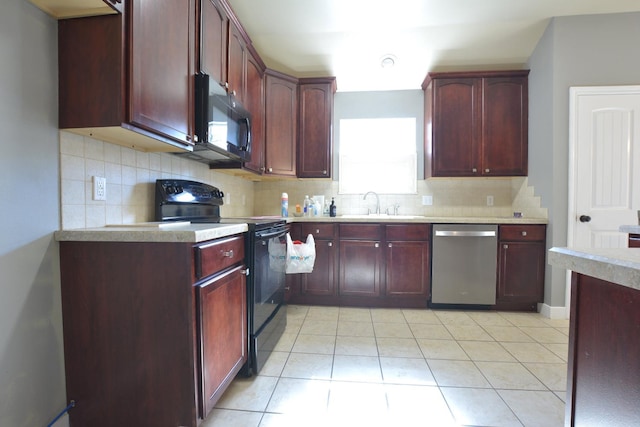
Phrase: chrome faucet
(377, 200)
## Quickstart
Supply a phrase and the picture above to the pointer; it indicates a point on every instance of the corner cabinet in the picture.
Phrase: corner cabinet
(315, 128)
(139, 65)
(476, 124)
(281, 115)
(521, 266)
(161, 328)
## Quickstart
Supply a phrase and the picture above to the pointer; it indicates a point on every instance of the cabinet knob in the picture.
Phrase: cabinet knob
(270, 170)
(390, 245)
(245, 271)
(324, 172)
(524, 234)
(262, 169)
(376, 245)
(228, 254)
(474, 170)
(505, 246)
(317, 231)
(487, 170)
(330, 244)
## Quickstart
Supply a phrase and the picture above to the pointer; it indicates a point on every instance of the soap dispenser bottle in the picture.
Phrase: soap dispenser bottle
(332, 208)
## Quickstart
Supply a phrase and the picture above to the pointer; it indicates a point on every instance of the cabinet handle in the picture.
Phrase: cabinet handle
(330, 244)
(524, 234)
(505, 246)
(228, 254)
(474, 170)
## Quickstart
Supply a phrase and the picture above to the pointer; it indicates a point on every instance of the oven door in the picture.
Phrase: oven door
(268, 276)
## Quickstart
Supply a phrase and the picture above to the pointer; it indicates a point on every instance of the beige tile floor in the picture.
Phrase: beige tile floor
(391, 367)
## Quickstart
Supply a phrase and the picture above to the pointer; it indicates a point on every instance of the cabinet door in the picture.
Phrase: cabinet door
(407, 269)
(237, 63)
(521, 272)
(213, 40)
(504, 127)
(315, 128)
(456, 127)
(360, 265)
(161, 69)
(222, 306)
(280, 125)
(322, 280)
(254, 103)
(634, 240)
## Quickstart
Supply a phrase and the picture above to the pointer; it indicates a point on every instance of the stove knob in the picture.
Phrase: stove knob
(220, 194)
(179, 189)
(169, 189)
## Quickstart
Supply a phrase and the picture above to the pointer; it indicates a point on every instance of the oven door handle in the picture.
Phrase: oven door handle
(278, 233)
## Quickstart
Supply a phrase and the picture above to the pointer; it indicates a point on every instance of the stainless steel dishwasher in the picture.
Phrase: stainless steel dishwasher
(463, 264)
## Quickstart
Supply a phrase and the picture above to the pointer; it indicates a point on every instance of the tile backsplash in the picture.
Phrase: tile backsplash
(131, 177)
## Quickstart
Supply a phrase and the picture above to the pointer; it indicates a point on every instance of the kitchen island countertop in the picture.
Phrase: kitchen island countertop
(616, 265)
(152, 232)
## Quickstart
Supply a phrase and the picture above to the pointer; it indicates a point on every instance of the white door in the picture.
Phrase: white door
(604, 165)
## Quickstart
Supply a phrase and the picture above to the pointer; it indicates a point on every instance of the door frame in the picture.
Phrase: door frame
(575, 92)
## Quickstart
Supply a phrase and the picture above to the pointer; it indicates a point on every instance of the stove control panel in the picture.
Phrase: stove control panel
(184, 191)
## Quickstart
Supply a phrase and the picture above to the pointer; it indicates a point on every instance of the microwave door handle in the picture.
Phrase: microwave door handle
(248, 143)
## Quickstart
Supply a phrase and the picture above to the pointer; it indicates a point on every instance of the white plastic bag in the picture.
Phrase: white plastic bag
(300, 256)
(277, 255)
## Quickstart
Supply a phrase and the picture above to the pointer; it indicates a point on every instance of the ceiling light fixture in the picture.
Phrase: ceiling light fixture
(388, 61)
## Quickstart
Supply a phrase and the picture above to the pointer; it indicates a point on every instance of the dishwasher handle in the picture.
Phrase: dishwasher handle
(447, 233)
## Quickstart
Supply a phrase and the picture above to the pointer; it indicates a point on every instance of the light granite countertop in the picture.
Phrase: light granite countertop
(421, 219)
(152, 232)
(194, 233)
(616, 265)
(631, 229)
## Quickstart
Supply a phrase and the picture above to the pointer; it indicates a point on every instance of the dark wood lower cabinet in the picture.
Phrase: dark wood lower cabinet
(634, 240)
(604, 350)
(371, 265)
(521, 266)
(152, 332)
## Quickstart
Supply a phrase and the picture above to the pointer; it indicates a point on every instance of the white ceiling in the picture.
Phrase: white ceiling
(348, 38)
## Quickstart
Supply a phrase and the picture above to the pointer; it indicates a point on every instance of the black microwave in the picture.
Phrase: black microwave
(222, 126)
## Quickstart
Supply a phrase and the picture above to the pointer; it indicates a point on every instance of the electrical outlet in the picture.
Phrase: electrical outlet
(427, 200)
(99, 188)
(489, 200)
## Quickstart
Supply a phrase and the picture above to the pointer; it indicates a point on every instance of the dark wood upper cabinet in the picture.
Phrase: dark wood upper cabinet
(476, 124)
(128, 78)
(281, 112)
(254, 103)
(237, 63)
(214, 27)
(315, 127)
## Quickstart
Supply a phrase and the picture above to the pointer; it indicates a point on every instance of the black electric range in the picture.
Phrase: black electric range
(184, 200)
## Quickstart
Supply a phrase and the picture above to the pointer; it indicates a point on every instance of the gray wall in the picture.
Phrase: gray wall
(32, 387)
(593, 50)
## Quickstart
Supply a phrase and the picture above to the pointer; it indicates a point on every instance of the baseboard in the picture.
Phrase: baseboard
(553, 312)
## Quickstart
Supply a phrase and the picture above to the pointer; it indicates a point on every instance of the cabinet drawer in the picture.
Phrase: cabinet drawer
(360, 231)
(526, 233)
(217, 255)
(319, 231)
(407, 232)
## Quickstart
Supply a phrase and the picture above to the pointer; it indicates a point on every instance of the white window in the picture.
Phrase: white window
(378, 155)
